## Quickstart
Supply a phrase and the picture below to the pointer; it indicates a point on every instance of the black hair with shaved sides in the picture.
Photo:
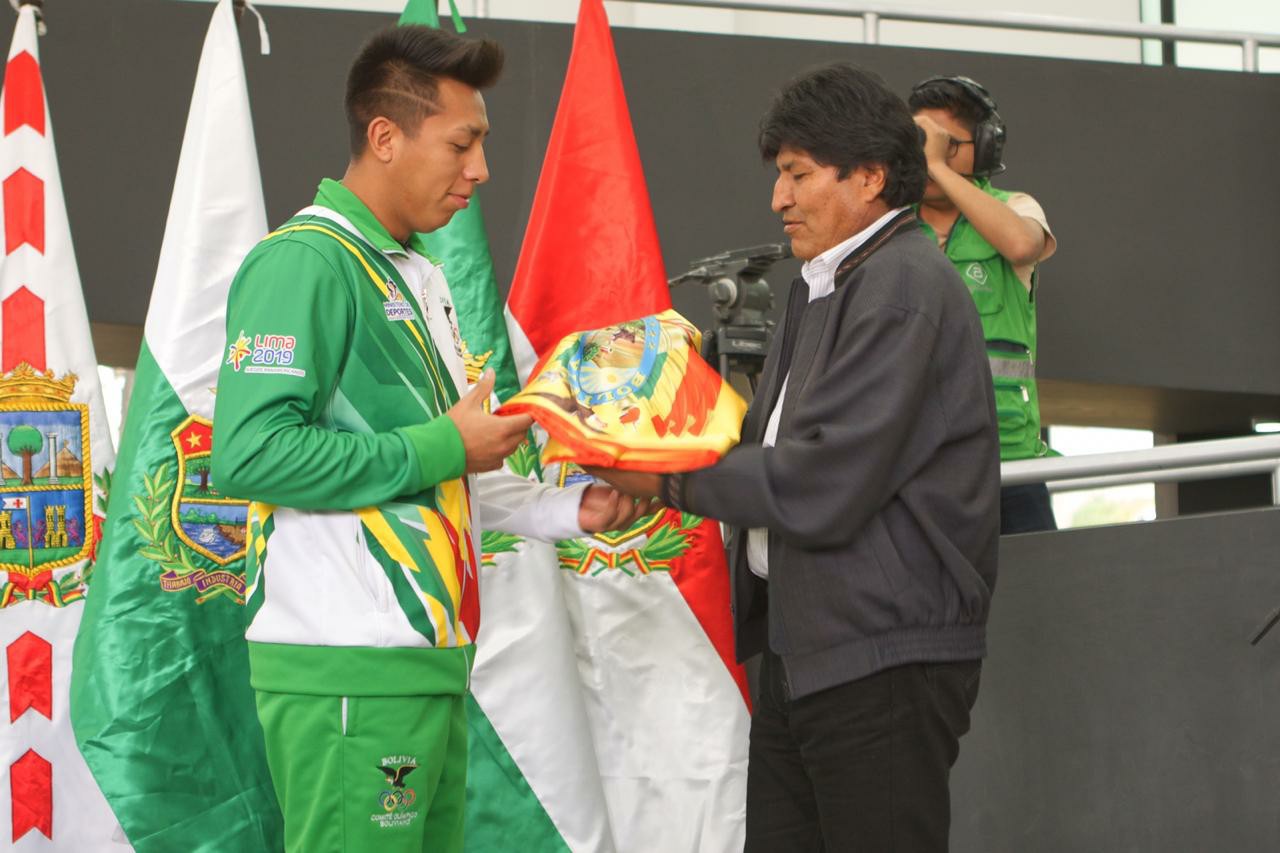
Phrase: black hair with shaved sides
(844, 116)
(951, 97)
(397, 74)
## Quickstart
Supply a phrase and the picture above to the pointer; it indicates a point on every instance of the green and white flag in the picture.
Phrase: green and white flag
(533, 779)
(160, 697)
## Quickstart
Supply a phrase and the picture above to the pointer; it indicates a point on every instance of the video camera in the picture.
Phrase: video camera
(741, 299)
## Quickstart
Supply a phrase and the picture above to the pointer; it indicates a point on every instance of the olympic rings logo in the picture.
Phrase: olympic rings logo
(398, 799)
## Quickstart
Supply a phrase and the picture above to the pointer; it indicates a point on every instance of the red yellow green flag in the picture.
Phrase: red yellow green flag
(633, 395)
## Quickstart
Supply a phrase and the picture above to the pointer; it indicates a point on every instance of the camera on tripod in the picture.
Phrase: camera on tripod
(741, 300)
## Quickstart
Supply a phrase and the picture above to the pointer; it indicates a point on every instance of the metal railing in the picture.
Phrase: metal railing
(873, 15)
(1195, 460)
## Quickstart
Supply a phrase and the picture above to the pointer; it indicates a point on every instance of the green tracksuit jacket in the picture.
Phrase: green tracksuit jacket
(343, 353)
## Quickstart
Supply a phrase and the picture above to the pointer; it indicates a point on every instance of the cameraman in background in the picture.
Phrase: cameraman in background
(996, 239)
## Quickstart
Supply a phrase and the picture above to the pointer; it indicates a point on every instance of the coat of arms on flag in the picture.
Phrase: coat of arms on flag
(46, 485)
(203, 518)
(634, 395)
(185, 520)
(653, 544)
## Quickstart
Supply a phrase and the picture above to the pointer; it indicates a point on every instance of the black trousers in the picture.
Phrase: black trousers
(1026, 509)
(859, 767)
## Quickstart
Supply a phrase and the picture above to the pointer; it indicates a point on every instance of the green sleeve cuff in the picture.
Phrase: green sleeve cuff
(437, 447)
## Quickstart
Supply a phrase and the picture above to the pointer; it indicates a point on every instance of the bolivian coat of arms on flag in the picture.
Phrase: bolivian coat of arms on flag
(652, 544)
(46, 485)
(634, 395)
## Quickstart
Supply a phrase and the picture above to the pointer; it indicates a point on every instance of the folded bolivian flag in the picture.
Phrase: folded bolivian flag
(636, 395)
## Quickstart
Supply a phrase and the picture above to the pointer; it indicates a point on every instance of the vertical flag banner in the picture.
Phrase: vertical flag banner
(55, 471)
(161, 702)
(533, 781)
(649, 607)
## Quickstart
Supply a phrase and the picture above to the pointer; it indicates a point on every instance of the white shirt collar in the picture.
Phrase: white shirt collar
(820, 272)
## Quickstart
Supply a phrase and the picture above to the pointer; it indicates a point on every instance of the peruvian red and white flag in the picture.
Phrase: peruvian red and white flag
(55, 458)
(666, 704)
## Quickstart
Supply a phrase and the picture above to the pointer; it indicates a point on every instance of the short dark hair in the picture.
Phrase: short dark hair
(844, 116)
(397, 73)
(949, 96)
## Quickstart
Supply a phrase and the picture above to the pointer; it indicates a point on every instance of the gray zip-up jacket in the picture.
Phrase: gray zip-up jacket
(882, 491)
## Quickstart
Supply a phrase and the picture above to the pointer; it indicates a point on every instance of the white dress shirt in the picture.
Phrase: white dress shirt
(820, 274)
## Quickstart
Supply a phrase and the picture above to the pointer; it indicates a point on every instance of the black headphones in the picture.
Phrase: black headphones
(988, 134)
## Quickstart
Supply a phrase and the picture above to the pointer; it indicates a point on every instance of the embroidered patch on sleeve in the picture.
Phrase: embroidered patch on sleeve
(264, 354)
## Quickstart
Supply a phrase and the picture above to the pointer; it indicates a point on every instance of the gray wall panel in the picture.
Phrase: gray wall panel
(1159, 182)
(1122, 707)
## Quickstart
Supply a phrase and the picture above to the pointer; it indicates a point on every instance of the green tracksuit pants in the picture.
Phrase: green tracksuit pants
(367, 773)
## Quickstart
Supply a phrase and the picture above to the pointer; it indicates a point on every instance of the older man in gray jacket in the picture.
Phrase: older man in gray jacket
(864, 498)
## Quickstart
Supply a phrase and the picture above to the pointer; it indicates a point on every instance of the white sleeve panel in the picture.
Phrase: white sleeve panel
(536, 510)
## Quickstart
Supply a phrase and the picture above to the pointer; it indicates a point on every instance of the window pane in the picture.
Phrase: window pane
(1116, 505)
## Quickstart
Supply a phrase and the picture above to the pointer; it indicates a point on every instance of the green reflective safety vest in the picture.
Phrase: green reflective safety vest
(1008, 315)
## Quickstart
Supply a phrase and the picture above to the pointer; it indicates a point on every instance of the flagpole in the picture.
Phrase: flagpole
(38, 7)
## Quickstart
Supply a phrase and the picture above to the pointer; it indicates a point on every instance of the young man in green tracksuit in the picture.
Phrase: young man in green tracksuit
(343, 416)
(996, 240)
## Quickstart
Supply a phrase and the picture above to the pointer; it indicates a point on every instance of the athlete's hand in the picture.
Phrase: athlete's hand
(487, 439)
(604, 509)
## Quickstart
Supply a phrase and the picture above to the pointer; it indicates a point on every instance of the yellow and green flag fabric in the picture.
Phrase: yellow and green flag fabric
(634, 395)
